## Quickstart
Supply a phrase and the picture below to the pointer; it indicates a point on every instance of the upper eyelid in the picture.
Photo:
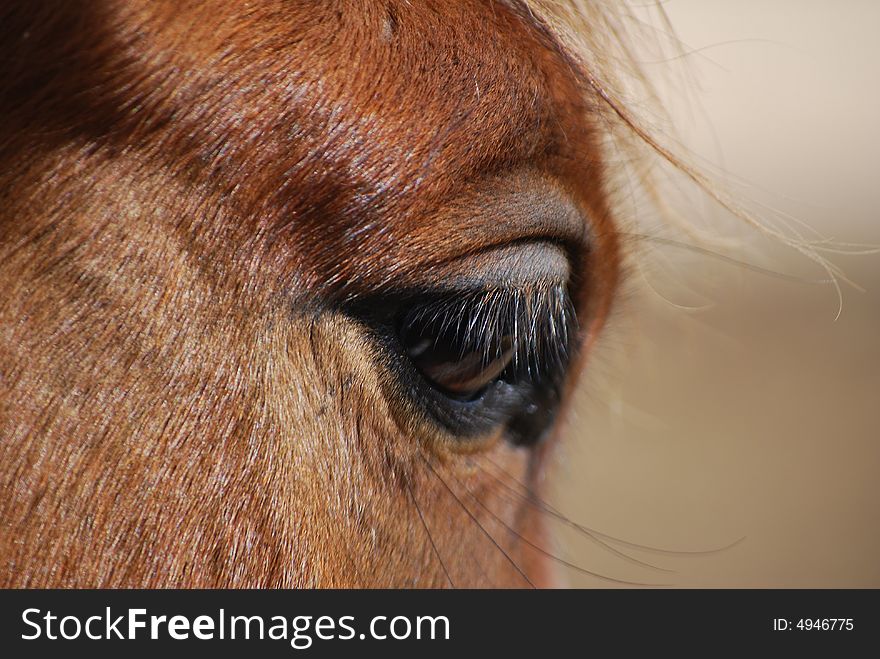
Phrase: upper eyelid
(522, 263)
(540, 319)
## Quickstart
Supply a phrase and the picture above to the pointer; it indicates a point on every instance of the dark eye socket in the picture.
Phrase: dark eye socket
(490, 357)
(476, 360)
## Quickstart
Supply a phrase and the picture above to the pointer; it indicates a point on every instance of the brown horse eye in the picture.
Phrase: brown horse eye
(461, 344)
(480, 360)
(452, 366)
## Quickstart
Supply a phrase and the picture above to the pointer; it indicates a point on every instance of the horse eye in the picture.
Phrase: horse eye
(464, 344)
(476, 360)
(453, 361)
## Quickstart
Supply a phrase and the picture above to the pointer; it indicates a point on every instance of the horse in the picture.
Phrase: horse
(295, 294)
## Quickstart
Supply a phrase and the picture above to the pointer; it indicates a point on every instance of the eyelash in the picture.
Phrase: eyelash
(522, 398)
(539, 321)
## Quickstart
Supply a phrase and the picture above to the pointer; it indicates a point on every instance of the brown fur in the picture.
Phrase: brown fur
(186, 192)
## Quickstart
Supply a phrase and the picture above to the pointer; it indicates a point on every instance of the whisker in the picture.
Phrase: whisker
(539, 505)
(606, 536)
(478, 524)
(430, 537)
(483, 573)
(548, 554)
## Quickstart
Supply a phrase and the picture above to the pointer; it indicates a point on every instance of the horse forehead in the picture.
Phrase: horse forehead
(386, 95)
(344, 129)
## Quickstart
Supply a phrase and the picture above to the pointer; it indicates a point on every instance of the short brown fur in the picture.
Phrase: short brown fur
(187, 193)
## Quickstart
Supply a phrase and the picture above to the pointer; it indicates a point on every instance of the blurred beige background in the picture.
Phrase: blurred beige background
(726, 404)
